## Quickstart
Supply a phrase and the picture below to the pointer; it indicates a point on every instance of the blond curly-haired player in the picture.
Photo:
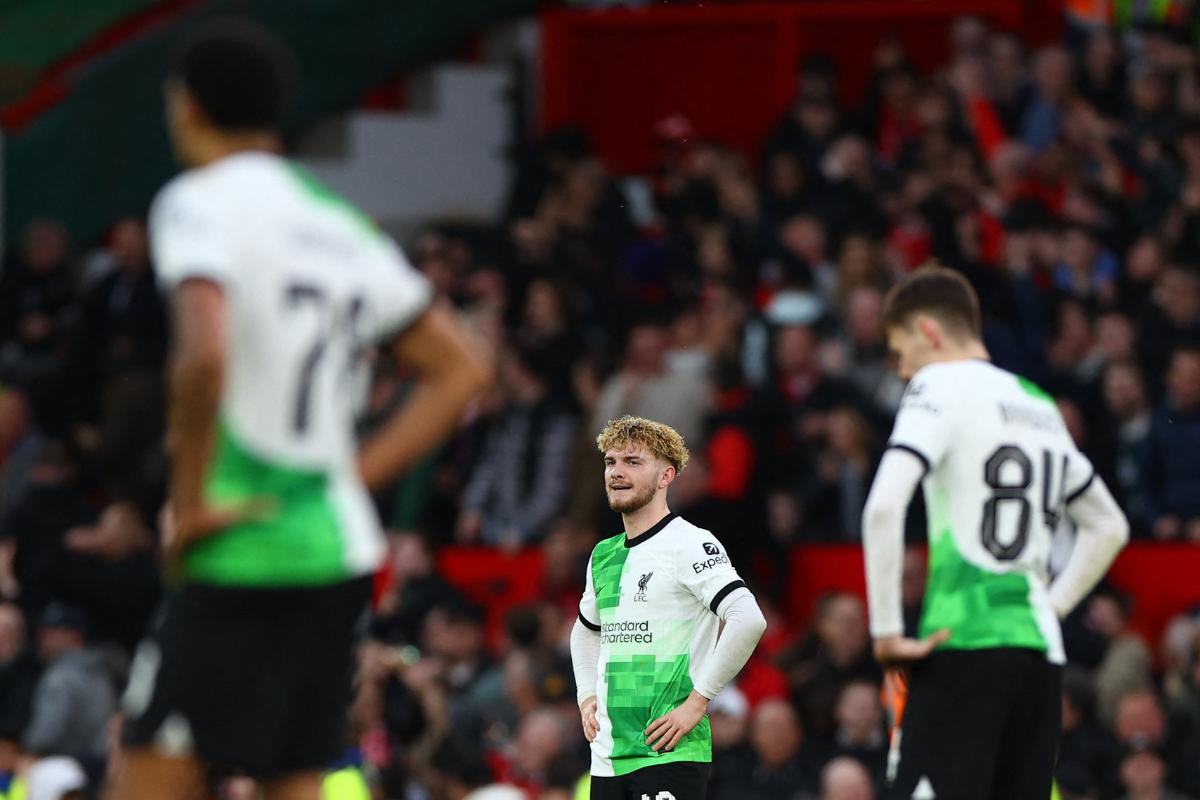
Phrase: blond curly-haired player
(646, 651)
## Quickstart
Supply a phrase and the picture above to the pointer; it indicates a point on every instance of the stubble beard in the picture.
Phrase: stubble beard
(631, 503)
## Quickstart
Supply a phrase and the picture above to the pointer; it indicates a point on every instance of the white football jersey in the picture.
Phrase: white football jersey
(654, 600)
(310, 284)
(1000, 469)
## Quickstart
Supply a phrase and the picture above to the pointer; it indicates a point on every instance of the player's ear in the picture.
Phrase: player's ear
(929, 329)
(668, 476)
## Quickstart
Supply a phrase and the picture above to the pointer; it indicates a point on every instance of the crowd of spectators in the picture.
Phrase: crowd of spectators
(741, 307)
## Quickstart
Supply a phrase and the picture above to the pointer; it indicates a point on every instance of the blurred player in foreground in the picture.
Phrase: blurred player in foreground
(999, 471)
(646, 650)
(279, 289)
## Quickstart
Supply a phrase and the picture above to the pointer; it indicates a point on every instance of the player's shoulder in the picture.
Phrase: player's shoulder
(607, 544)
(218, 188)
(686, 537)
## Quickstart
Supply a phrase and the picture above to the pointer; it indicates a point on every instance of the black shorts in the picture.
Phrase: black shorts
(980, 725)
(679, 780)
(253, 681)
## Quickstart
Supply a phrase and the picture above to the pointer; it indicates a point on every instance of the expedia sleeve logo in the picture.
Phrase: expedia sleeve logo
(715, 559)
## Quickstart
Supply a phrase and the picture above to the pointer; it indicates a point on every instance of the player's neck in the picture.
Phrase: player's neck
(646, 517)
(970, 350)
(215, 148)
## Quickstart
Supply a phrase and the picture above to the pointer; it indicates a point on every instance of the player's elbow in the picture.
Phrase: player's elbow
(879, 516)
(756, 622)
(482, 372)
(1118, 531)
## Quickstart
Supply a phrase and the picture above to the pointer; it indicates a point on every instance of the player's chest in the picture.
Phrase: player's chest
(643, 581)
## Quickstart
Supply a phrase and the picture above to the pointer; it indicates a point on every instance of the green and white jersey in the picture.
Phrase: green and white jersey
(1000, 468)
(309, 284)
(654, 600)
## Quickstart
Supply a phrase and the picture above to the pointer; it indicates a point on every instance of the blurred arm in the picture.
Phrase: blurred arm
(453, 372)
(899, 474)
(1102, 532)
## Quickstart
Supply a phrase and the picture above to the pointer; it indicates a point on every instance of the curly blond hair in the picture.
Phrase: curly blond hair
(661, 440)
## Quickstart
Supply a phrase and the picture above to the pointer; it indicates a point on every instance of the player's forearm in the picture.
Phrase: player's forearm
(196, 381)
(585, 660)
(429, 416)
(744, 627)
(1102, 532)
(883, 539)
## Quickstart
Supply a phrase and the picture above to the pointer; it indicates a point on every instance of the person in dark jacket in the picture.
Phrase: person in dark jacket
(1172, 469)
(520, 483)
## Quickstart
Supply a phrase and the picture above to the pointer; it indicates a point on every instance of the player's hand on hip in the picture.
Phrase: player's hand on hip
(903, 650)
(666, 731)
(591, 726)
(180, 530)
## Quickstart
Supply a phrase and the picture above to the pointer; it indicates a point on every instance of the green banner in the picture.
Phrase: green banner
(102, 153)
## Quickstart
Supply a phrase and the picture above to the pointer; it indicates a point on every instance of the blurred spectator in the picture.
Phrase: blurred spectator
(540, 740)
(795, 412)
(1085, 749)
(1141, 727)
(520, 481)
(1129, 414)
(546, 328)
(1126, 665)
(860, 730)
(1173, 319)
(122, 335)
(834, 500)
(835, 652)
(1143, 775)
(413, 590)
(1172, 466)
(846, 779)
(460, 772)
(861, 357)
(1052, 75)
(18, 673)
(646, 386)
(781, 766)
(729, 716)
(35, 294)
(75, 697)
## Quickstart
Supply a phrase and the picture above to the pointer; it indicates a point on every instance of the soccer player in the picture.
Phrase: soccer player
(278, 290)
(999, 470)
(646, 650)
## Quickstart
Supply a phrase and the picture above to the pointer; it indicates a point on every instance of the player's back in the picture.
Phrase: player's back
(1001, 465)
(309, 285)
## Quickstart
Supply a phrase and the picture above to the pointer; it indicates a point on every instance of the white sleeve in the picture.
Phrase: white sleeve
(924, 423)
(190, 235)
(589, 609)
(585, 660)
(703, 567)
(900, 472)
(744, 626)
(1102, 532)
(399, 294)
